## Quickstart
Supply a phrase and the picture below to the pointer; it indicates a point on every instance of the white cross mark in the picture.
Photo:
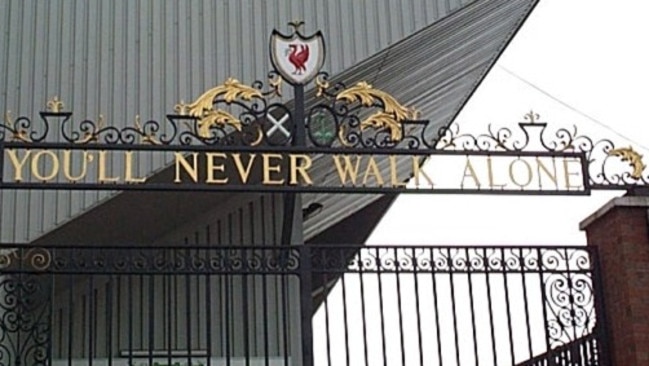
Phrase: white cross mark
(278, 125)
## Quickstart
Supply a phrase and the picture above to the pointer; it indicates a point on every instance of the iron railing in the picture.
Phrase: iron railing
(302, 305)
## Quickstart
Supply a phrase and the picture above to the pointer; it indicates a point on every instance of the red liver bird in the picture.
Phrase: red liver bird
(298, 56)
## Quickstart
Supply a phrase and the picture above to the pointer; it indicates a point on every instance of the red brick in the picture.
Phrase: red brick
(621, 236)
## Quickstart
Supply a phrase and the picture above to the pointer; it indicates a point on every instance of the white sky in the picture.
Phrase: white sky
(589, 54)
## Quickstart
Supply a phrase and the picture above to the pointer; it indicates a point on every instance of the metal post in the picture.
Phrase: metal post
(306, 305)
(291, 223)
(2, 158)
(602, 334)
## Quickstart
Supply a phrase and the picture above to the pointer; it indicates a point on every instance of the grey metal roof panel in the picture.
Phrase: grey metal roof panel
(149, 59)
(122, 58)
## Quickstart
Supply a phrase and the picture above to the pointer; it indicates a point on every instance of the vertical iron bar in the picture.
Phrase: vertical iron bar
(264, 291)
(325, 289)
(119, 312)
(188, 309)
(285, 327)
(197, 280)
(130, 318)
(93, 319)
(208, 317)
(142, 311)
(84, 314)
(363, 313)
(2, 159)
(472, 307)
(453, 306)
(188, 317)
(19, 309)
(229, 298)
(306, 306)
(490, 307)
(50, 316)
(227, 314)
(151, 317)
(436, 305)
(264, 285)
(507, 307)
(526, 303)
(244, 291)
(381, 308)
(109, 320)
(400, 307)
(60, 335)
(70, 317)
(169, 279)
(600, 309)
(208, 300)
(415, 275)
(543, 300)
(345, 318)
(246, 320)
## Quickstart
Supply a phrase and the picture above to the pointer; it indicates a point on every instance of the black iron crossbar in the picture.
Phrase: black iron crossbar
(368, 305)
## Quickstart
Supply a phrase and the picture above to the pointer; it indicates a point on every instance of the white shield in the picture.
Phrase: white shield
(296, 58)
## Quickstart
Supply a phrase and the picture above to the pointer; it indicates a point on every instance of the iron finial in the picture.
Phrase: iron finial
(296, 24)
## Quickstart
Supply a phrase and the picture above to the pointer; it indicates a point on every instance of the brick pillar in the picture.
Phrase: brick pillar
(619, 231)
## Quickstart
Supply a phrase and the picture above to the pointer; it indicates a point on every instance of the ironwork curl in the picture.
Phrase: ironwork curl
(570, 307)
(24, 316)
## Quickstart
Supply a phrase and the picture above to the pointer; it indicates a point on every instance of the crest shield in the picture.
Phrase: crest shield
(297, 58)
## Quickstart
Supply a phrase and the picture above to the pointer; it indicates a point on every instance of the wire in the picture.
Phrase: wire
(592, 119)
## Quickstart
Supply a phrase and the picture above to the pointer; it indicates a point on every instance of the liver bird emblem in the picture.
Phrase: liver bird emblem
(298, 56)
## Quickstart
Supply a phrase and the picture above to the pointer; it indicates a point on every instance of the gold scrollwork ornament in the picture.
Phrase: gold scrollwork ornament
(54, 105)
(203, 106)
(390, 118)
(627, 154)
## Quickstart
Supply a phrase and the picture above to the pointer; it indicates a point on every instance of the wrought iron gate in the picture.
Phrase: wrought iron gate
(330, 305)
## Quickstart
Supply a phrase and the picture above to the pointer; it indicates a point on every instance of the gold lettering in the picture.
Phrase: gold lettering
(302, 169)
(569, 173)
(18, 164)
(266, 158)
(191, 170)
(490, 173)
(244, 173)
(469, 168)
(373, 169)
(418, 172)
(67, 165)
(348, 169)
(54, 170)
(103, 178)
(394, 179)
(552, 175)
(128, 169)
(513, 177)
(212, 167)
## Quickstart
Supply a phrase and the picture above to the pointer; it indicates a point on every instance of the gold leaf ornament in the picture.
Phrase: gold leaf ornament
(203, 107)
(384, 120)
(627, 154)
(393, 112)
(231, 90)
(217, 117)
(367, 95)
